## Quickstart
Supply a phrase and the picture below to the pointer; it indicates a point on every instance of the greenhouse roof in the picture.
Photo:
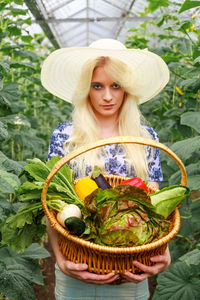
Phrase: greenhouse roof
(69, 23)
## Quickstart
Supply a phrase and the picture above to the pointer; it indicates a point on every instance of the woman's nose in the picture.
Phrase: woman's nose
(107, 95)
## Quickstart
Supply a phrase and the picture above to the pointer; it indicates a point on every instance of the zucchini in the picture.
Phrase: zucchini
(75, 225)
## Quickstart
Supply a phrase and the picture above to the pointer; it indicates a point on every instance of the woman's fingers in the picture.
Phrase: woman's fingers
(134, 277)
(75, 267)
(78, 271)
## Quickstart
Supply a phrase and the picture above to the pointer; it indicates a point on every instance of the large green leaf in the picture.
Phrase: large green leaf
(10, 165)
(3, 131)
(188, 4)
(191, 85)
(191, 258)
(18, 119)
(8, 182)
(18, 272)
(192, 119)
(35, 251)
(9, 93)
(194, 182)
(17, 64)
(26, 54)
(178, 282)
(14, 283)
(4, 66)
(154, 5)
(185, 148)
(20, 239)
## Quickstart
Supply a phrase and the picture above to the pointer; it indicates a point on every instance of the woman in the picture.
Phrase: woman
(105, 82)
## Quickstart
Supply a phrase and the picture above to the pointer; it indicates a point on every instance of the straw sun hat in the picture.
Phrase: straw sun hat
(62, 68)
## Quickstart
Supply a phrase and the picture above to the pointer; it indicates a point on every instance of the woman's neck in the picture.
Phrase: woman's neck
(108, 127)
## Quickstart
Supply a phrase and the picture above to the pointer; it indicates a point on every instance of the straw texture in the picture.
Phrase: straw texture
(104, 259)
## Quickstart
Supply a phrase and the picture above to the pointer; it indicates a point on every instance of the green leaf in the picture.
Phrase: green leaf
(26, 54)
(27, 38)
(191, 258)
(193, 182)
(9, 93)
(191, 119)
(18, 272)
(188, 4)
(20, 64)
(154, 5)
(8, 182)
(178, 282)
(64, 171)
(185, 148)
(37, 170)
(10, 165)
(20, 239)
(4, 66)
(192, 84)
(167, 199)
(3, 131)
(35, 251)
(197, 60)
(17, 119)
(13, 30)
(18, 11)
(19, 2)
(14, 283)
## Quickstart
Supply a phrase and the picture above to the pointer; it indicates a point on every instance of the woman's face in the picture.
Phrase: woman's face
(106, 96)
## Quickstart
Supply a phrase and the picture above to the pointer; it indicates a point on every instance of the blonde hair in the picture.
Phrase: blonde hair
(85, 126)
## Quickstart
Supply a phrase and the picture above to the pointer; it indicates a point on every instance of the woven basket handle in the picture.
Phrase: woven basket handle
(107, 141)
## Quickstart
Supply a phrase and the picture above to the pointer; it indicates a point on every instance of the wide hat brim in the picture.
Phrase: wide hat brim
(61, 70)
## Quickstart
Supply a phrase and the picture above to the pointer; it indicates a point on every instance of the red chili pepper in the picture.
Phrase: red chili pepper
(136, 181)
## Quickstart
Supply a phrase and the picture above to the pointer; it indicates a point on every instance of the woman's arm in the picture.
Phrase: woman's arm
(78, 271)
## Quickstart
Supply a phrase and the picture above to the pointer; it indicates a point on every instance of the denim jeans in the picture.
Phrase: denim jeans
(68, 288)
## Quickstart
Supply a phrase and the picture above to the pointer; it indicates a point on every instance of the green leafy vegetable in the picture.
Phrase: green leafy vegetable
(26, 225)
(167, 199)
(123, 216)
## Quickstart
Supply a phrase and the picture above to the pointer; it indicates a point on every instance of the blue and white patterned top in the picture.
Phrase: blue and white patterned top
(114, 159)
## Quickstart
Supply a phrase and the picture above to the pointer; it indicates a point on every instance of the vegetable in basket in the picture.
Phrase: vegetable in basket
(100, 179)
(125, 216)
(136, 181)
(69, 210)
(85, 187)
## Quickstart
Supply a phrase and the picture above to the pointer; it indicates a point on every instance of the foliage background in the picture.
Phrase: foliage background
(28, 115)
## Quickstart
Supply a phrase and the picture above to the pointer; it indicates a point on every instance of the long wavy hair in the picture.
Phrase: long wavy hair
(85, 124)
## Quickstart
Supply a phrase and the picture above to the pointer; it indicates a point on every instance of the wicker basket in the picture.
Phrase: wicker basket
(104, 259)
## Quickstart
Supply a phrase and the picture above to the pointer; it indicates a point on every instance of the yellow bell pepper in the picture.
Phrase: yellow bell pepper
(85, 187)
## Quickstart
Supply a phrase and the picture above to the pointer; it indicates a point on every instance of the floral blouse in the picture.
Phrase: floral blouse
(114, 160)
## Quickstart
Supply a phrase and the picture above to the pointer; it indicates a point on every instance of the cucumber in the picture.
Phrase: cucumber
(75, 225)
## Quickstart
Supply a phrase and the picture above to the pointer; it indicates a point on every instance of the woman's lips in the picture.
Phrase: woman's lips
(109, 106)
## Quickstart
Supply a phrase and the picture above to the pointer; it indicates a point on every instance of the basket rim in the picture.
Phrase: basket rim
(117, 250)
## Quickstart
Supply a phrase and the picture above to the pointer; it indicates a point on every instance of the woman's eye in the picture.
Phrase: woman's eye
(116, 86)
(96, 86)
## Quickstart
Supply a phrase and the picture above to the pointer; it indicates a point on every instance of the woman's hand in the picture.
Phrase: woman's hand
(79, 271)
(162, 263)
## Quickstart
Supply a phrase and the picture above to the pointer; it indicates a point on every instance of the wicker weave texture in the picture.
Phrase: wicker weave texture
(104, 259)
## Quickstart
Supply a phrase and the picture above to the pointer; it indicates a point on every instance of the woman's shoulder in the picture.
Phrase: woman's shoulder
(61, 133)
(63, 128)
(152, 132)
